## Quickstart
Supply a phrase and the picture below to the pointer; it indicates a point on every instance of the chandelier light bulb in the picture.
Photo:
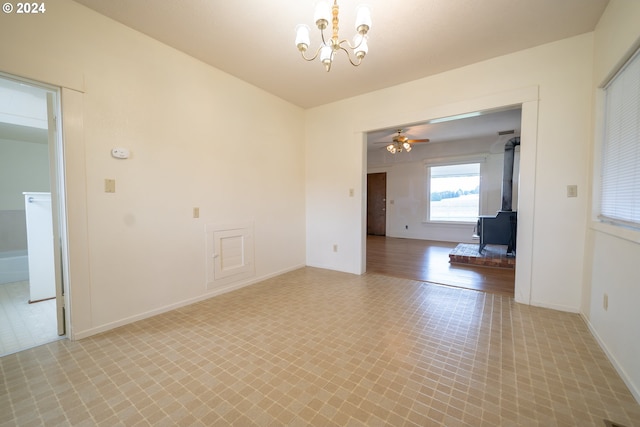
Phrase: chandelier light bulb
(302, 37)
(326, 54)
(363, 19)
(322, 15)
(362, 47)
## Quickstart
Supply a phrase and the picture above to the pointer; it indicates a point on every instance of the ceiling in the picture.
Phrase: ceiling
(482, 125)
(254, 39)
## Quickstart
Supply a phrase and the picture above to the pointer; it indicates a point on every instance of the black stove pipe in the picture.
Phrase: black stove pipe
(507, 173)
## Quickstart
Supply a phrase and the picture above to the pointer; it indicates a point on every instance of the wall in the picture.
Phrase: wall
(24, 157)
(612, 254)
(406, 186)
(24, 166)
(554, 156)
(198, 138)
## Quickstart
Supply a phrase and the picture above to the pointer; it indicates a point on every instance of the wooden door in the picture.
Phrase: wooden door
(377, 204)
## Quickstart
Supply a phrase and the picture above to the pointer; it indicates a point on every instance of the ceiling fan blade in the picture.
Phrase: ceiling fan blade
(413, 141)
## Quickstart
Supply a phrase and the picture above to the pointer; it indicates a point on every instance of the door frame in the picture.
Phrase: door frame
(58, 196)
(528, 99)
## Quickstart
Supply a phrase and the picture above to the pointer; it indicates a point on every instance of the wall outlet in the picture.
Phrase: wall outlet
(605, 302)
(335, 248)
(109, 185)
(572, 191)
(196, 212)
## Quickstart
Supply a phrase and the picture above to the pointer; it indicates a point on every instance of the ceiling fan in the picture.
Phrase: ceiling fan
(401, 142)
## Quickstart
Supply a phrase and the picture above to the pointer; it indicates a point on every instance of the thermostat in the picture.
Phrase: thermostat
(120, 153)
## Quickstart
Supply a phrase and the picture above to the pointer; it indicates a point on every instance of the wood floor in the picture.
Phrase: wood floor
(429, 261)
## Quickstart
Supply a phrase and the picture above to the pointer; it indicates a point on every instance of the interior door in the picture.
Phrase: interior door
(55, 168)
(377, 204)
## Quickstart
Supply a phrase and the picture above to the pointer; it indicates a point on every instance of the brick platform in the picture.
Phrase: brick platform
(491, 256)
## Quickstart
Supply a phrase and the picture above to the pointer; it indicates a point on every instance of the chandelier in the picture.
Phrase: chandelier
(329, 47)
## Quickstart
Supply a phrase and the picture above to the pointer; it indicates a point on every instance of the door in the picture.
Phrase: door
(55, 168)
(377, 204)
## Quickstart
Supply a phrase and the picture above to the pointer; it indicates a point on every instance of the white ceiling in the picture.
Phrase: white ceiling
(482, 126)
(254, 39)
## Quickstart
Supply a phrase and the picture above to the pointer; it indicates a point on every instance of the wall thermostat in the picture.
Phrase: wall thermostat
(120, 153)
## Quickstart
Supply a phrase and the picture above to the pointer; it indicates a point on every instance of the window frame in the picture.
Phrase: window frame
(429, 163)
(599, 222)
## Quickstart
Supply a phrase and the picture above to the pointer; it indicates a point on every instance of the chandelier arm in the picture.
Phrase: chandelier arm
(313, 57)
(355, 64)
(324, 42)
(349, 43)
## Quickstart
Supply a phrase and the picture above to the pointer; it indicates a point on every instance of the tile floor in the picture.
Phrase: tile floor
(24, 325)
(317, 347)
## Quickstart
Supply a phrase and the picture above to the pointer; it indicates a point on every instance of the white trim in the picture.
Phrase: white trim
(618, 367)
(528, 99)
(218, 291)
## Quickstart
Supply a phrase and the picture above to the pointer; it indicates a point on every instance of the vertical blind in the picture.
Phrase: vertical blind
(620, 185)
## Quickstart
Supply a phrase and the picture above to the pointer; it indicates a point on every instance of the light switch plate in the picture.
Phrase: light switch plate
(572, 191)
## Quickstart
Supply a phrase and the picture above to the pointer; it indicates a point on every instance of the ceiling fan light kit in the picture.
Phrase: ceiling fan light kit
(326, 52)
(402, 143)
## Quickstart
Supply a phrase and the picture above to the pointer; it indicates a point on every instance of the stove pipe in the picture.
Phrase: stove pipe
(507, 173)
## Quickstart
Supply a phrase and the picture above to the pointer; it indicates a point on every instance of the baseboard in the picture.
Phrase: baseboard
(556, 307)
(209, 294)
(632, 387)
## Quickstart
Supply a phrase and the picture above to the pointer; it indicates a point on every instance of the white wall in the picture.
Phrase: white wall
(612, 254)
(198, 138)
(406, 186)
(24, 166)
(558, 139)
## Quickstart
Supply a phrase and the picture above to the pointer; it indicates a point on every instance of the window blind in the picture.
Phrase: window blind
(620, 181)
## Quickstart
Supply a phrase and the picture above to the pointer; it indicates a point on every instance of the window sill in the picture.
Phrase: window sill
(450, 223)
(616, 231)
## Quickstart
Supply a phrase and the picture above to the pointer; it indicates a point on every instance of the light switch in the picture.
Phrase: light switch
(572, 191)
(196, 212)
(109, 185)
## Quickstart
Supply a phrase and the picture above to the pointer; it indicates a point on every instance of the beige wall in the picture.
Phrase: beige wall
(553, 155)
(198, 138)
(612, 253)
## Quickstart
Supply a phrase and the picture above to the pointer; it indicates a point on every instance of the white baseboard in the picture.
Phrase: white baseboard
(632, 387)
(209, 294)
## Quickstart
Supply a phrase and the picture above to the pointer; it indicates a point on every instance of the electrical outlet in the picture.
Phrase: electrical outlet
(572, 191)
(196, 212)
(605, 302)
(109, 185)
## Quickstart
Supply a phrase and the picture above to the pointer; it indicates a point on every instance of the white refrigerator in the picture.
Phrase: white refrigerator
(40, 246)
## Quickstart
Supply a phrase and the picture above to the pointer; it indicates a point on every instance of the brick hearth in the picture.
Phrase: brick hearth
(491, 256)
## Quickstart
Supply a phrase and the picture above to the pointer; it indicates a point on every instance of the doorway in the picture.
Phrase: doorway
(31, 215)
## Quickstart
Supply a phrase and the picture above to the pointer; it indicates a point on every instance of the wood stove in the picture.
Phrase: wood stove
(501, 228)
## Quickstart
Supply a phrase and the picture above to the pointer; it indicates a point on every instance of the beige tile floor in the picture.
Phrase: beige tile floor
(316, 347)
(24, 325)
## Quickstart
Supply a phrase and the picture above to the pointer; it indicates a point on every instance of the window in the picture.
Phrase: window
(620, 179)
(453, 192)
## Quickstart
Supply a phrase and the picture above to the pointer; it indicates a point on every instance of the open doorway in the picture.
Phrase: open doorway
(424, 223)
(31, 289)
